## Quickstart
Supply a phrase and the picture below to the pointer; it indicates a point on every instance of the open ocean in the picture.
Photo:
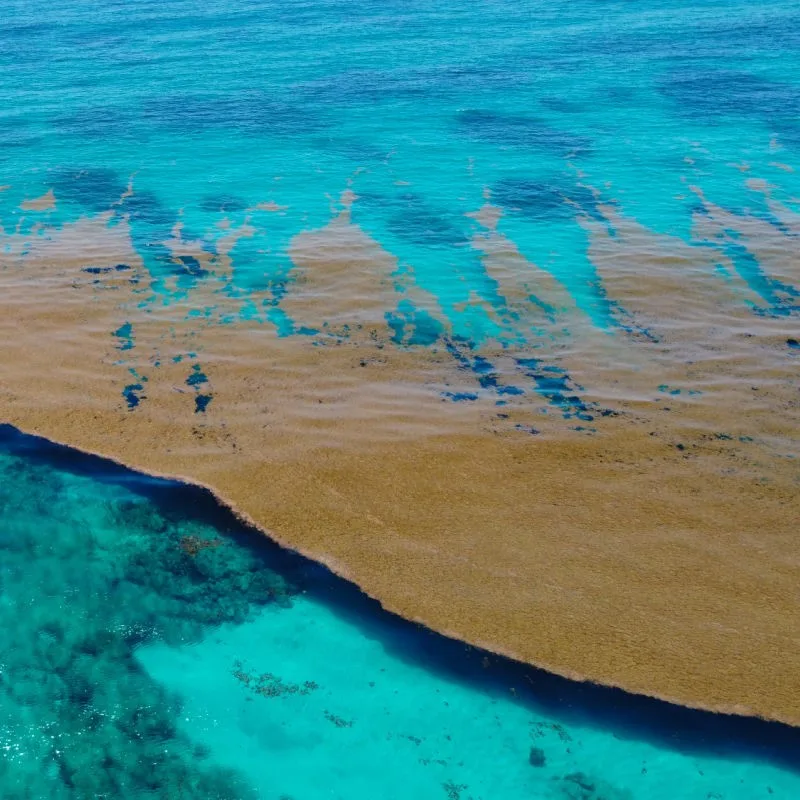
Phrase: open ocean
(534, 222)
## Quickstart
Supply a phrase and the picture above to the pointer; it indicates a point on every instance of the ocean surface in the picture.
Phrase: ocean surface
(271, 247)
(153, 647)
(424, 110)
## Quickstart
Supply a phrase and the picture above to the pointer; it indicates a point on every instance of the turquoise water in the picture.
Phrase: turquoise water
(153, 647)
(420, 108)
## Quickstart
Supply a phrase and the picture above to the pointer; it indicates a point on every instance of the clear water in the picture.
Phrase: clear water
(152, 647)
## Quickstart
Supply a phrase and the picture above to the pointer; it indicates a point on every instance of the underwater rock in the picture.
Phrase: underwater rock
(192, 545)
(339, 722)
(536, 757)
(269, 685)
(453, 790)
(580, 786)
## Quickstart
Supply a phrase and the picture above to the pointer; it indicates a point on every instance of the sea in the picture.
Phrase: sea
(154, 645)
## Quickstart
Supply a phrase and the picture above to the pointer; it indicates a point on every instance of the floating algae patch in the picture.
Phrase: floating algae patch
(153, 647)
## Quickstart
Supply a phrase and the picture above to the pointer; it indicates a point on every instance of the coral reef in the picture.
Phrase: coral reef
(90, 573)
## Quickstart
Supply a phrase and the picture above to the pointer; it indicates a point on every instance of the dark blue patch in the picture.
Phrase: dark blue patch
(132, 394)
(733, 36)
(460, 397)
(201, 402)
(555, 385)
(545, 200)
(125, 335)
(370, 86)
(151, 223)
(793, 344)
(424, 329)
(104, 270)
(15, 133)
(517, 131)
(192, 266)
(562, 105)
(460, 349)
(418, 222)
(714, 93)
(95, 188)
(197, 377)
(145, 207)
(788, 132)
(779, 295)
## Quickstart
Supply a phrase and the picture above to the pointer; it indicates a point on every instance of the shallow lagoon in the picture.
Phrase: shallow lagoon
(155, 647)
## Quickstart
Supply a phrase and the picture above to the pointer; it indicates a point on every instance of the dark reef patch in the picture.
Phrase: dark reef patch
(413, 219)
(191, 266)
(74, 671)
(580, 786)
(371, 86)
(146, 209)
(94, 188)
(714, 93)
(518, 131)
(460, 397)
(537, 757)
(198, 381)
(544, 200)
(99, 189)
(105, 270)
(97, 122)
(268, 685)
(197, 377)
